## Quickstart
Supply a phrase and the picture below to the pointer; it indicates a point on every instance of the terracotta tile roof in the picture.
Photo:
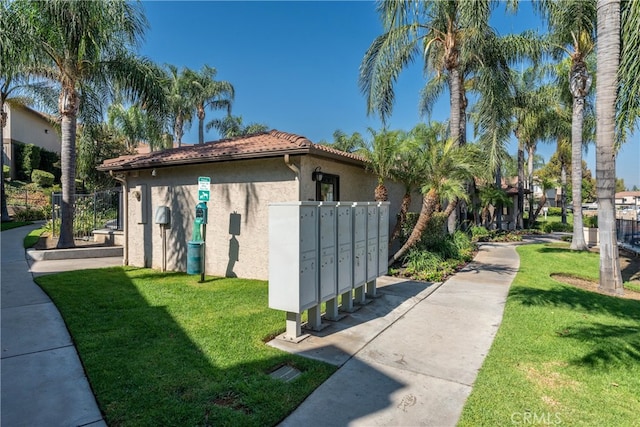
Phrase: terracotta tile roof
(265, 144)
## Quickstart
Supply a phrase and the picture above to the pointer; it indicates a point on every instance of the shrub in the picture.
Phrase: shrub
(50, 162)
(41, 178)
(478, 232)
(6, 171)
(30, 158)
(29, 214)
(590, 221)
(554, 211)
(550, 227)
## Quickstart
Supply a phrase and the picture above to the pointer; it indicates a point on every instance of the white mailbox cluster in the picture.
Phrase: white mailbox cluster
(321, 250)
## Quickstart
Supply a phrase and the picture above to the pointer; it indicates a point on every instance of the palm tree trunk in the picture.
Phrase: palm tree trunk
(3, 122)
(68, 107)
(531, 153)
(402, 216)
(177, 130)
(497, 211)
(577, 241)
(429, 201)
(455, 98)
(543, 200)
(201, 116)
(563, 194)
(606, 85)
(520, 203)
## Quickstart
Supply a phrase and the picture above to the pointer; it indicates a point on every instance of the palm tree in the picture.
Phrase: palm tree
(408, 170)
(440, 33)
(130, 122)
(628, 90)
(85, 49)
(206, 92)
(344, 142)
(606, 88)
(232, 126)
(572, 31)
(446, 168)
(180, 104)
(381, 157)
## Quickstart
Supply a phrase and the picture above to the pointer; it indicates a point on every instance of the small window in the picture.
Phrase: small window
(328, 189)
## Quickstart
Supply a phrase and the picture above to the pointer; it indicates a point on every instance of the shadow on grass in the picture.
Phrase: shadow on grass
(152, 358)
(608, 343)
(611, 344)
(577, 299)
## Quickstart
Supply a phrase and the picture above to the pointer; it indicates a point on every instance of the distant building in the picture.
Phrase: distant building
(628, 199)
(27, 126)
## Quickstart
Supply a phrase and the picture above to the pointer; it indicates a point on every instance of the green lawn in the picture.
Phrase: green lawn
(162, 349)
(562, 355)
(14, 224)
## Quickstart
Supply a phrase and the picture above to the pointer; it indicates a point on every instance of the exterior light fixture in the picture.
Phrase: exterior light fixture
(316, 175)
(153, 172)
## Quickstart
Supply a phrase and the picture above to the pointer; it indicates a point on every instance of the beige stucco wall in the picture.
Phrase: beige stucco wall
(239, 189)
(28, 127)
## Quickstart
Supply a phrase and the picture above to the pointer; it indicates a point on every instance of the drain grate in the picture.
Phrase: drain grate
(285, 373)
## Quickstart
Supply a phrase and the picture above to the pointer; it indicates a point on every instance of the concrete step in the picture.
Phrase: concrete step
(75, 253)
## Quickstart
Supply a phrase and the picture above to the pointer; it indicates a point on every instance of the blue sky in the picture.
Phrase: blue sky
(294, 65)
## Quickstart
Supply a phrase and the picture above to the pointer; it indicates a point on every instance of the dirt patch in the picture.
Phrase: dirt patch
(590, 285)
(548, 378)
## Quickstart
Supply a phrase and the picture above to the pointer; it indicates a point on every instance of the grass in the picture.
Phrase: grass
(14, 224)
(32, 238)
(562, 354)
(162, 349)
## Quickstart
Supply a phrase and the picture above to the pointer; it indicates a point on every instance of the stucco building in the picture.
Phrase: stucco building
(27, 126)
(247, 174)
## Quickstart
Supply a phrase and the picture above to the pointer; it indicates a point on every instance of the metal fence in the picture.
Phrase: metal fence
(102, 209)
(628, 231)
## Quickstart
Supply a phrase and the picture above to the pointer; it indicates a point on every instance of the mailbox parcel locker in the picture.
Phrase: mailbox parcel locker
(293, 256)
(328, 250)
(345, 249)
(359, 245)
(372, 241)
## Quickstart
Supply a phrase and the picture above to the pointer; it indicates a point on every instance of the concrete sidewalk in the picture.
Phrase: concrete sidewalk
(43, 381)
(418, 365)
(408, 358)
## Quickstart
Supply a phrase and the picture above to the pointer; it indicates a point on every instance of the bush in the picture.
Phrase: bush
(50, 162)
(590, 221)
(29, 214)
(553, 211)
(478, 232)
(41, 178)
(6, 171)
(30, 159)
(551, 227)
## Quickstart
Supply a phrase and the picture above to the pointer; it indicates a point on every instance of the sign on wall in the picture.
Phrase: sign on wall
(204, 186)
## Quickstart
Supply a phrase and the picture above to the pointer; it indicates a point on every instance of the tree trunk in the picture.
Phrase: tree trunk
(201, 116)
(563, 195)
(608, 57)
(68, 107)
(520, 203)
(543, 200)
(177, 130)
(3, 122)
(429, 201)
(497, 211)
(531, 149)
(455, 98)
(402, 216)
(577, 241)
